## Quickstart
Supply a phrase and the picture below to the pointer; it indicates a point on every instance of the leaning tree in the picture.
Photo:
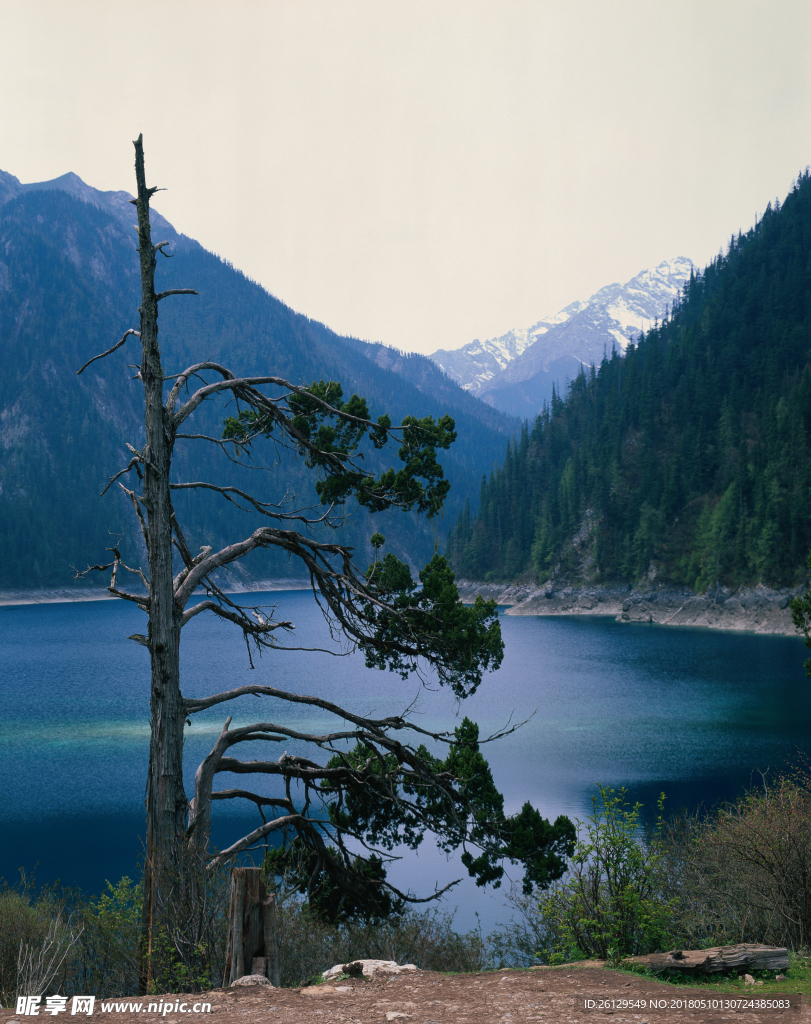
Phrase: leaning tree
(368, 785)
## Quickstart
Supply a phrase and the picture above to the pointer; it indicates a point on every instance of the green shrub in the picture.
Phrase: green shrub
(612, 902)
(743, 872)
(37, 940)
(20, 923)
(106, 961)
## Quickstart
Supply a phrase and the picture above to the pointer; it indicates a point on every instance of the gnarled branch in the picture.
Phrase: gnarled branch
(192, 705)
(263, 507)
(259, 628)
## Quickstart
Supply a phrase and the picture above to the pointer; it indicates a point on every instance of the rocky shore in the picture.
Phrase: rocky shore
(757, 609)
(67, 595)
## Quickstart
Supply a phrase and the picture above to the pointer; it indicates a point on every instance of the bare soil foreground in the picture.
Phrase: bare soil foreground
(756, 609)
(556, 994)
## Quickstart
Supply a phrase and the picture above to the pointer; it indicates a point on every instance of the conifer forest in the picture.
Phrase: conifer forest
(686, 460)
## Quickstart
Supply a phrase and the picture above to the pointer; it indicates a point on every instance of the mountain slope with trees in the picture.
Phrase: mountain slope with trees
(69, 283)
(688, 459)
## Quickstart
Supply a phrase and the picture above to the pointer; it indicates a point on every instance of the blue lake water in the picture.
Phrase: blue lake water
(692, 712)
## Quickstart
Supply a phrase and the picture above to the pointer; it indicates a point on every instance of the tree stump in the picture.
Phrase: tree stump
(748, 956)
(253, 942)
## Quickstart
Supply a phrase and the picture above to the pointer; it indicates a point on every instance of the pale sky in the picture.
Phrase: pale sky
(421, 173)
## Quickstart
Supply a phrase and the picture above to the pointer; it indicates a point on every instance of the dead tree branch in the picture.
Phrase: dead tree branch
(109, 351)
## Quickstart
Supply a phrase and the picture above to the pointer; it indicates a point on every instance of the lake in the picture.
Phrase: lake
(691, 712)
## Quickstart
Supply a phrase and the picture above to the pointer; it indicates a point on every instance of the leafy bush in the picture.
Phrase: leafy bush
(24, 925)
(106, 961)
(612, 901)
(60, 940)
(743, 872)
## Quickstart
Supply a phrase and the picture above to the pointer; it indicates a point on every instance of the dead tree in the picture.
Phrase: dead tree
(379, 783)
(253, 944)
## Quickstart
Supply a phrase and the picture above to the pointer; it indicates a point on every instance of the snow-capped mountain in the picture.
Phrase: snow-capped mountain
(516, 371)
(474, 364)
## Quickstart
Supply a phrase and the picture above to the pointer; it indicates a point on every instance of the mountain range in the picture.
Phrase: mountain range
(69, 287)
(517, 371)
(685, 463)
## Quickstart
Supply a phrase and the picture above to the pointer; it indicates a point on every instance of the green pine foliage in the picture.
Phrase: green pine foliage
(691, 452)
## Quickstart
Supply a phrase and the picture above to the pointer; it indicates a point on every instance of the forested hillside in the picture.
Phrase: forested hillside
(688, 459)
(68, 290)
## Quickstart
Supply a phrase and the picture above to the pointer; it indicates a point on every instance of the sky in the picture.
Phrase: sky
(421, 173)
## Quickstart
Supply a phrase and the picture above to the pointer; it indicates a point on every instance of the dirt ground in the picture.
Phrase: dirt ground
(509, 997)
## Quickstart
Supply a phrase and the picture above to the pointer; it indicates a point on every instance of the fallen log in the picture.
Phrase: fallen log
(744, 956)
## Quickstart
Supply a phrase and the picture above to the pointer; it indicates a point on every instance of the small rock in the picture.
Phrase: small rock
(252, 979)
(748, 979)
(396, 1015)
(778, 977)
(369, 968)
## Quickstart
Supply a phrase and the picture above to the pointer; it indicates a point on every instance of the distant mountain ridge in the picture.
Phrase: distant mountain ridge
(117, 203)
(417, 368)
(69, 287)
(516, 371)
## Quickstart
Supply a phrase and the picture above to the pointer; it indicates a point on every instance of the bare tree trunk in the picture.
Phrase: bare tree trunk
(165, 798)
(253, 946)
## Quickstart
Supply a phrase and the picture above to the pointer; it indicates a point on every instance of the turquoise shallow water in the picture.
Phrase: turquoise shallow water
(691, 712)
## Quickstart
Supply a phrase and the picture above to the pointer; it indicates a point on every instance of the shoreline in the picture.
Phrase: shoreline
(754, 609)
(71, 595)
